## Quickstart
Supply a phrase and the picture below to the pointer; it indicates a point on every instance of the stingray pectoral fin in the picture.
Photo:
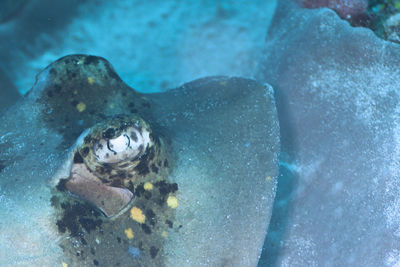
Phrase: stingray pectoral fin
(110, 200)
(223, 134)
(226, 141)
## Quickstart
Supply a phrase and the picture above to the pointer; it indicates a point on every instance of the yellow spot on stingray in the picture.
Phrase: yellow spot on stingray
(164, 234)
(268, 178)
(172, 202)
(63, 264)
(223, 83)
(137, 215)
(148, 186)
(129, 233)
(111, 105)
(75, 92)
(81, 106)
(90, 80)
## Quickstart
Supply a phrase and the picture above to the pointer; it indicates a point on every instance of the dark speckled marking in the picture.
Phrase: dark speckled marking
(154, 168)
(151, 216)
(142, 168)
(85, 151)
(109, 133)
(91, 60)
(139, 190)
(146, 228)
(166, 188)
(61, 185)
(78, 158)
(112, 73)
(78, 216)
(134, 136)
(107, 167)
(87, 139)
(121, 174)
(152, 137)
(112, 177)
(131, 186)
(153, 252)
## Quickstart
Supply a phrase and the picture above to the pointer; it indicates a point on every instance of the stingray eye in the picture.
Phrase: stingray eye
(119, 144)
(113, 156)
(128, 145)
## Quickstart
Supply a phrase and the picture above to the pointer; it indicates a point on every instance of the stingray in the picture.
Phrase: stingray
(93, 172)
(337, 95)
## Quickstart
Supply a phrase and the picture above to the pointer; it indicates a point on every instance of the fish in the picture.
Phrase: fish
(90, 167)
(338, 105)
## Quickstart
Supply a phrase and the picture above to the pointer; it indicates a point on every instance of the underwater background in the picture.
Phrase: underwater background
(153, 45)
(332, 63)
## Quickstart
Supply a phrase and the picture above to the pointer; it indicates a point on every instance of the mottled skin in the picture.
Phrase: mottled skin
(223, 137)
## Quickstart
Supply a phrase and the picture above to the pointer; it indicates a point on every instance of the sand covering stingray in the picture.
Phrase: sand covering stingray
(337, 94)
(212, 209)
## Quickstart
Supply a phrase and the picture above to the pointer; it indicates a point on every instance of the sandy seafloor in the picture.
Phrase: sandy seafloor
(153, 45)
